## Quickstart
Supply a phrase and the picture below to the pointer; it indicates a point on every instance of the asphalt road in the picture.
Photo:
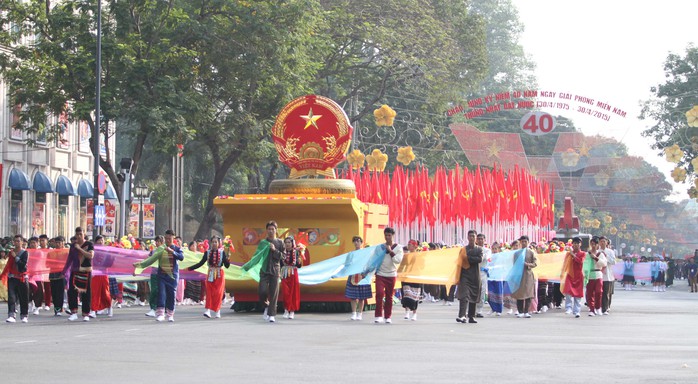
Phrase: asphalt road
(649, 337)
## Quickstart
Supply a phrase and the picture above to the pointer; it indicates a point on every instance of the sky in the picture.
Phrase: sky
(612, 51)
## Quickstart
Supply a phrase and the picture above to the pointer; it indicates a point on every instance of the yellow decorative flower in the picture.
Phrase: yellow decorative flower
(636, 233)
(587, 223)
(601, 179)
(384, 116)
(692, 116)
(660, 241)
(570, 158)
(405, 155)
(377, 160)
(596, 224)
(623, 227)
(608, 219)
(673, 154)
(613, 230)
(356, 159)
(678, 174)
(693, 192)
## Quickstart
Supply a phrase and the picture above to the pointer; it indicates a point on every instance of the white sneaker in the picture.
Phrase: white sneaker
(73, 317)
(160, 318)
(450, 303)
(379, 320)
(498, 314)
(354, 316)
(218, 314)
(568, 312)
(272, 319)
(150, 313)
(605, 313)
(388, 321)
(359, 316)
(47, 308)
(544, 309)
(591, 314)
(170, 319)
(92, 314)
(414, 317)
(291, 315)
(86, 318)
(207, 313)
(527, 315)
(265, 316)
(110, 312)
(25, 319)
(11, 320)
(520, 315)
(35, 311)
(407, 316)
(285, 316)
(118, 305)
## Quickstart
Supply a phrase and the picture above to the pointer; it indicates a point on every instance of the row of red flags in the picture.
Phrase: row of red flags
(456, 195)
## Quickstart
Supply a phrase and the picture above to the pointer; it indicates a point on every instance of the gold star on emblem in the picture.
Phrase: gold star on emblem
(494, 149)
(311, 119)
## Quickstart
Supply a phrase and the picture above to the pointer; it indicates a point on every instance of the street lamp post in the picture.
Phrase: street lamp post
(141, 192)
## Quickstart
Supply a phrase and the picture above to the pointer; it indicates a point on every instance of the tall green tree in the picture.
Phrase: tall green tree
(668, 106)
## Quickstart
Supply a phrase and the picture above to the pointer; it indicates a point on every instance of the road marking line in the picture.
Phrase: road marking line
(25, 342)
(80, 335)
(133, 329)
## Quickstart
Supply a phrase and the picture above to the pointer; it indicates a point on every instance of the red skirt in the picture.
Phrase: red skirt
(215, 290)
(292, 292)
(101, 296)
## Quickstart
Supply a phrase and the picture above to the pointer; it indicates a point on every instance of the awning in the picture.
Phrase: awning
(64, 187)
(110, 193)
(19, 180)
(85, 189)
(42, 184)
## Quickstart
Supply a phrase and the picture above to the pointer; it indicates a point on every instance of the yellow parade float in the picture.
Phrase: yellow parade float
(312, 135)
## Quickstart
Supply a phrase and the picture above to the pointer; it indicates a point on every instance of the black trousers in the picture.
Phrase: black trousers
(470, 305)
(523, 305)
(607, 295)
(58, 294)
(85, 297)
(17, 290)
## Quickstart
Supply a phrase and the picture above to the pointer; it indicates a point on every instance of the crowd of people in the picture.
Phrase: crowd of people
(77, 292)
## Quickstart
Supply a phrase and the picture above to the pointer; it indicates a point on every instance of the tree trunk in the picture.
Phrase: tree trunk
(209, 217)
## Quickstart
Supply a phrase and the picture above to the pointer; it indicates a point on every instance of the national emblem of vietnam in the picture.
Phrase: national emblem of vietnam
(312, 135)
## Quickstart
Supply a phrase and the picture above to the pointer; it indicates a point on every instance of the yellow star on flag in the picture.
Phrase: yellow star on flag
(584, 150)
(311, 119)
(493, 150)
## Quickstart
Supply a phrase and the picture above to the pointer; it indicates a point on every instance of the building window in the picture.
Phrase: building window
(16, 212)
(62, 217)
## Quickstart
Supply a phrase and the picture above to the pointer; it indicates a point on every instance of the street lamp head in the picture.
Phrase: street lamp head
(140, 191)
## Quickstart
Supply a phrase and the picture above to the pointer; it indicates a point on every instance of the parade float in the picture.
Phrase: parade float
(312, 135)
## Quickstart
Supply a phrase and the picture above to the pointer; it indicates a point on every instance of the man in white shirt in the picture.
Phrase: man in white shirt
(608, 277)
(386, 275)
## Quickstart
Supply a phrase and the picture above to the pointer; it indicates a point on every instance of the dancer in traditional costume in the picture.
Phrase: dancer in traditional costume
(355, 292)
(167, 257)
(411, 292)
(57, 282)
(216, 258)
(153, 294)
(572, 284)
(15, 277)
(628, 274)
(291, 260)
(78, 266)
(268, 259)
(101, 295)
(527, 288)
(595, 275)
(469, 284)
